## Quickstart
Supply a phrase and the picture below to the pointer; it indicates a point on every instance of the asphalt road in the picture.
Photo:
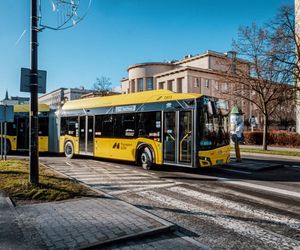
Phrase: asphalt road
(222, 208)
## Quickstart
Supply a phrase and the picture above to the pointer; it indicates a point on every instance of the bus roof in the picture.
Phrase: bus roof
(128, 99)
(24, 108)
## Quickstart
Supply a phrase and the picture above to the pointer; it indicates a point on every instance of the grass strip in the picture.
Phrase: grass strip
(14, 176)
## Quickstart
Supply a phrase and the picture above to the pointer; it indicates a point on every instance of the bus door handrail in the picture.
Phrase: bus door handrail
(181, 141)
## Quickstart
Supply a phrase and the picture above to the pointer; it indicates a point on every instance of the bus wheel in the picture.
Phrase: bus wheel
(69, 150)
(146, 158)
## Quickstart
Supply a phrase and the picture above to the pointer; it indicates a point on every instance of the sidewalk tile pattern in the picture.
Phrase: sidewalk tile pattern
(84, 222)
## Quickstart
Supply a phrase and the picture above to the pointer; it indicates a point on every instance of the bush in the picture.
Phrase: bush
(276, 137)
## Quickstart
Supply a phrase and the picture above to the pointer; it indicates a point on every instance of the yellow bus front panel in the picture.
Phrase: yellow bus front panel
(214, 157)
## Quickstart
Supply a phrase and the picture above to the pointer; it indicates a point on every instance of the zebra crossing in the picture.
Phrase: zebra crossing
(261, 226)
(240, 220)
(111, 178)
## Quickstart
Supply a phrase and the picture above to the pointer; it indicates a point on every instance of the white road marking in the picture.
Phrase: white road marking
(254, 232)
(279, 219)
(113, 182)
(295, 166)
(142, 188)
(236, 171)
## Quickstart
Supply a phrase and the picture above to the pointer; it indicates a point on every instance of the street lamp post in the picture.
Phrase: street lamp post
(34, 154)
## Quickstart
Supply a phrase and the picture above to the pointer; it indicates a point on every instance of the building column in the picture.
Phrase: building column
(145, 84)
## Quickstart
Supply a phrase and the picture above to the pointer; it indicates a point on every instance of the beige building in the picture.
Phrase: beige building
(203, 73)
(57, 97)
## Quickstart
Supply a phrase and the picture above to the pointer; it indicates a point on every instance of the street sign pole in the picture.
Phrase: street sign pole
(5, 141)
(1, 140)
(34, 155)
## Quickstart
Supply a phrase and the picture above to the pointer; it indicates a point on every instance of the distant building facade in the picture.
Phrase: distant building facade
(13, 100)
(203, 73)
(57, 97)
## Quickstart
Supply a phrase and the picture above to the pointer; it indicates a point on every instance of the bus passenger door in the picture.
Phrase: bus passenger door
(169, 137)
(82, 135)
(90, 135)
(86, 135)
(178, 137)
(185, 137)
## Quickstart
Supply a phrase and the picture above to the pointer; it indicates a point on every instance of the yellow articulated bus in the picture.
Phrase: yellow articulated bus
(152, 127)
(17, 138)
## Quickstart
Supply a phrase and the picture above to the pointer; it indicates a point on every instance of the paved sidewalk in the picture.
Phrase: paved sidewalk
(253, 165)
(91, 222)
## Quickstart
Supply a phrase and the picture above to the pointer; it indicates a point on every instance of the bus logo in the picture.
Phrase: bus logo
(116, 145)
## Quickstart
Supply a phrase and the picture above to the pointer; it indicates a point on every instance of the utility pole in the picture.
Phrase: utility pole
(33, 123)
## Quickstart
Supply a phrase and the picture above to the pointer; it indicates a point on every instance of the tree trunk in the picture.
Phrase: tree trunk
(265, 133)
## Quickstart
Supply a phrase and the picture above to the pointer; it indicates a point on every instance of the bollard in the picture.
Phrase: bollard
(236, 148)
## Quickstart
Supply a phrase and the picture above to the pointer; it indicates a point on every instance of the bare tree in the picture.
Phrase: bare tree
(285, 40)
(102, 85)
(263, 83)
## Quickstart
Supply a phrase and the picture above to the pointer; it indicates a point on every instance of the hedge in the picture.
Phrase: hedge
(277, 138)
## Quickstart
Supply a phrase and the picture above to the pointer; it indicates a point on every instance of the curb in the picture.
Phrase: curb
(152, 232)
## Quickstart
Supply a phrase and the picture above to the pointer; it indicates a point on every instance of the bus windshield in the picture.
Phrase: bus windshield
(213, 129)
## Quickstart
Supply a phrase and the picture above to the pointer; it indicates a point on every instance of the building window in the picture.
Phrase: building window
(197, 82)
(170, 85)
(225, 86)
(140, 84)
(132, 86)
(179, 85)
(161, 85)
(150, 83)
(207, 83)
(217, 85)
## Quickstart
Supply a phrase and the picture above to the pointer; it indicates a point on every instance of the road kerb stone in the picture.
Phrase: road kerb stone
(135, 236)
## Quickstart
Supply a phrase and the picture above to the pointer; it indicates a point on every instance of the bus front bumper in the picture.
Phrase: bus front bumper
(214, 157)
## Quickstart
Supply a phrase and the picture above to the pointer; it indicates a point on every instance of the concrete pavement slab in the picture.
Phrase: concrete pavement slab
(253, 165)
(88, 222)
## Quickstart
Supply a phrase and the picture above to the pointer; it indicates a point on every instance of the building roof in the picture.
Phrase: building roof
(128, 99)
(207, 53)
(149, 63)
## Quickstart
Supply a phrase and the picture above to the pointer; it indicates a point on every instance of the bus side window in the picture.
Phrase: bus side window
(11, 128)
(148, 124)
(43, 126)
(128, 125)
(73, 126)
(63, 126)
(98, 125)
(69, 126)
(107, 126)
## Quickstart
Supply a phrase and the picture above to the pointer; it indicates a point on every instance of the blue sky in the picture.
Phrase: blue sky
(118, 33)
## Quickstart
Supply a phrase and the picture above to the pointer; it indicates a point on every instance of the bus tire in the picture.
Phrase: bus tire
(69, 150)
(146, 158)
